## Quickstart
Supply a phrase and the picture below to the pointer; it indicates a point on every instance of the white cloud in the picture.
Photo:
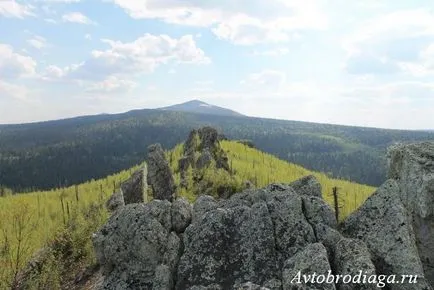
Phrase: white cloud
(112, 84)
(52, 72)
(266, 78)
(15, 65)
(38, 42)
(88, 36)
(395, 42)
(13, 9)
(77, 17)
(243, 22)
(143, 55)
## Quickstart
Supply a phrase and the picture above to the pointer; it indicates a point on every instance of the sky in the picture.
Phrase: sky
(366, 62)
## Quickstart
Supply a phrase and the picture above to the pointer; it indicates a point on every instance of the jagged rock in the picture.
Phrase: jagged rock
(181, 214)
(184, 162)
(160, 176)
(134, 190)
(220, 239)
(222, 160)
(294, 231)
(308, 185)
(208, 138)
(203, 204)
(351, 257)
(204, 159)
(192, 143)
(261, 238)
(412, 166)
(311, 260)
(317, 211)
(115, 201)
(383, 224)
(132, 245)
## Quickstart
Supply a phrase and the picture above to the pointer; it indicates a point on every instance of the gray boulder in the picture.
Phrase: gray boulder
(312, 262)
(204, 159)
(352, 257)
(317, 211)
(182, 212)
(308, 186)
(115, 201)
(208, 138)
(134, 190)
(160, 176)
(412, 166)
(131, 245)
(246, 238)
(382, 222)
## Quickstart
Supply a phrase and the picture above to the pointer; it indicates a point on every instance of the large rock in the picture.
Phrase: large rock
(260, 239)
(160, 176)
(181, 214)
(308, 185)
(200, 150)
(134, 243)
(208, 138)
(134, 190)
(115, 201)
(383, 224)
(312, 260)
(412, 166)
(219, 248)
(352, 257)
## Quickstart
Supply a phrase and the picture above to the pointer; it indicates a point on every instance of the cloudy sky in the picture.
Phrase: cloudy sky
(365, 62)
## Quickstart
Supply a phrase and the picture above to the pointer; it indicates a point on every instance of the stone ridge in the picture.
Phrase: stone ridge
(261, 238)
(412, 167)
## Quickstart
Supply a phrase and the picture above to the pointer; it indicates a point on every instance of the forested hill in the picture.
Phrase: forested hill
(58, 153)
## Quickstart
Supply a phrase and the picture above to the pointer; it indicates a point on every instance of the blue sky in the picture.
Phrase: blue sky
(366, 62)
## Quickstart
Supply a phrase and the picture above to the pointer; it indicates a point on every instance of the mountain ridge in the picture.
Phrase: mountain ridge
(75, 150)
(197, 106)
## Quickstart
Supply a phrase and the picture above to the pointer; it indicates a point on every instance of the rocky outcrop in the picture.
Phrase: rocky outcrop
(200, 150)
(257, 239)
(265, 238)
(412, 166)
(382, 222)
(133, 190)
(160, 177)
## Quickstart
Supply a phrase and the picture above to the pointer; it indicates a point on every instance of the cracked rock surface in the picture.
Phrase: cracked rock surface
(261, 239)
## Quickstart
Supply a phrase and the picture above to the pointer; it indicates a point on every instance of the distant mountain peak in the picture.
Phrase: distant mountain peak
(198, 106)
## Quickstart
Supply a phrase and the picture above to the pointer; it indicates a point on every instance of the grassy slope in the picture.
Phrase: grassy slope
(262, 168)
(46, 213)
(36, 218)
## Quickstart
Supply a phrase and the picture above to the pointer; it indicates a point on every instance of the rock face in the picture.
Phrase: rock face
(160, 176)
(412, 166)
(382, 222)
(133, 190)
(257, 239)
(266, 238)
(201, 148)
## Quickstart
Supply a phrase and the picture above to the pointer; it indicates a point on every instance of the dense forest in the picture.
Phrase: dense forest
(64, 152)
